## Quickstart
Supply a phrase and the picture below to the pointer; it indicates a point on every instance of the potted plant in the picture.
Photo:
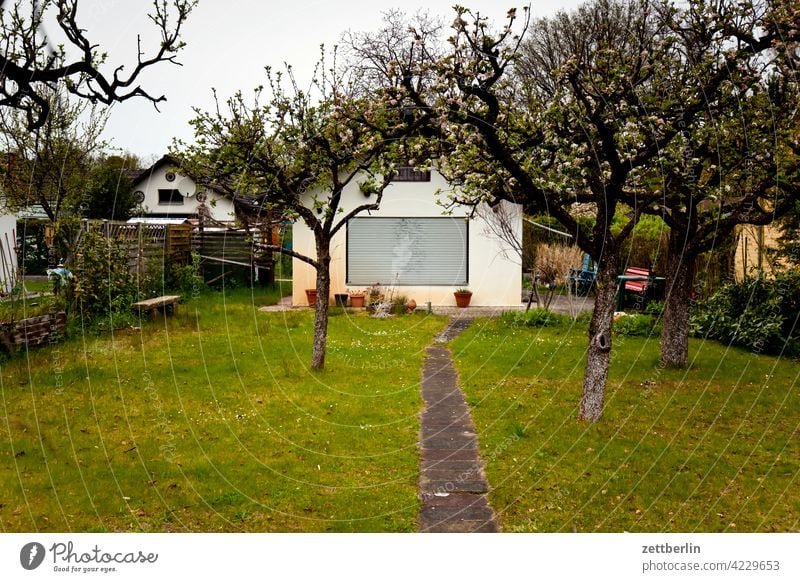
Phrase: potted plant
(463, 296)
(311, 297)
(357, 299)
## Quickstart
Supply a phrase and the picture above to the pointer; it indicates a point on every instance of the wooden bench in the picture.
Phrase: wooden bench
(155, 304)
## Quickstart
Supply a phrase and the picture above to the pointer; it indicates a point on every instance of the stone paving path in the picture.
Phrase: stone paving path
(453, 485)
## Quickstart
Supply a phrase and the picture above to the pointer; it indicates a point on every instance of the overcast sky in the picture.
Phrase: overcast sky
(228, 44)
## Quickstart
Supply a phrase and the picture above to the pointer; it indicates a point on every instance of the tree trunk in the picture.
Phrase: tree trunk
(321, 311)
(599, 352)
(675, 334)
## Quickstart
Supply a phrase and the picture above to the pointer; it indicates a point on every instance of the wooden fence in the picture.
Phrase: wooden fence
(146, 243)
(224, 251)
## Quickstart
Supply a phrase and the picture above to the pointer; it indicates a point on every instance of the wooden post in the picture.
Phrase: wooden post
(270, 254)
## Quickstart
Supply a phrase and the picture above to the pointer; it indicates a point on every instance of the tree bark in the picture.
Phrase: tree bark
(675, 334)
(599, 352)
(321, 310)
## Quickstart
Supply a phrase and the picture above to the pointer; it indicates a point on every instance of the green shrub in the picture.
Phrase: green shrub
(757, 314)
(637, 325)
(399, 305)
(654, 307)
(186, 279)
(150, 280)
(104, 284)
(165, 276)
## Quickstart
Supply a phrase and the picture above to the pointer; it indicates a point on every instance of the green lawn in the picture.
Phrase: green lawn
(715, 448)
(38, 286)
(211, 420)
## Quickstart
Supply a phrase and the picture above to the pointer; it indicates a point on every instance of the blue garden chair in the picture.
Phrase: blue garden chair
(582, 280)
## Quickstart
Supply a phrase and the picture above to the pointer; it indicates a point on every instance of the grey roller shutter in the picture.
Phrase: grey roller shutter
(407, 251)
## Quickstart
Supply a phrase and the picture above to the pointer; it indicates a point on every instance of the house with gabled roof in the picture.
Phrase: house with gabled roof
(166, 193)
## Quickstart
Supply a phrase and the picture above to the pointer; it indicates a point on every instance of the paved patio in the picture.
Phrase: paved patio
(560, 304)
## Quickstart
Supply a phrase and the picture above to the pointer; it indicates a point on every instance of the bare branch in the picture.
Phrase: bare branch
(29, 66)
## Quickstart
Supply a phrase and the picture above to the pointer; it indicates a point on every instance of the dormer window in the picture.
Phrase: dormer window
(170, 198)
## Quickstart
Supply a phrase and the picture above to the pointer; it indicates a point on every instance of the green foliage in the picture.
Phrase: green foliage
(283, 262)
(399, 304)
(518, 431)
(757, 314)
(104, 284)
(647, 245)
(654, 307)
(583, 318)
(369, 187)
(186, 279)
(539, 317)
(110, 191)
(618, 222)
(150, 280)
(637, 326)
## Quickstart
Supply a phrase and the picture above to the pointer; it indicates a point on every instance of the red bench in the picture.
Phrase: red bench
(637, 286)
(640, 281)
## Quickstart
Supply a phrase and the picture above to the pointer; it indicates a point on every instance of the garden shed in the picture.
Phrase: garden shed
(414, 247)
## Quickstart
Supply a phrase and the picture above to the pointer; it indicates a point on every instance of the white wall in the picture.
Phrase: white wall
(494, 279)
(8, 263)
(221, 208)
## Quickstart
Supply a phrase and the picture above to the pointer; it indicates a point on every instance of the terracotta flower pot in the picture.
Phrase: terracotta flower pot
(357, 301)
(462, 299)
(311, 297)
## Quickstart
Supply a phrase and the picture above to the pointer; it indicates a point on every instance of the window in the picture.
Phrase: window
(170, 197)
(407, 251)
(410, 174)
